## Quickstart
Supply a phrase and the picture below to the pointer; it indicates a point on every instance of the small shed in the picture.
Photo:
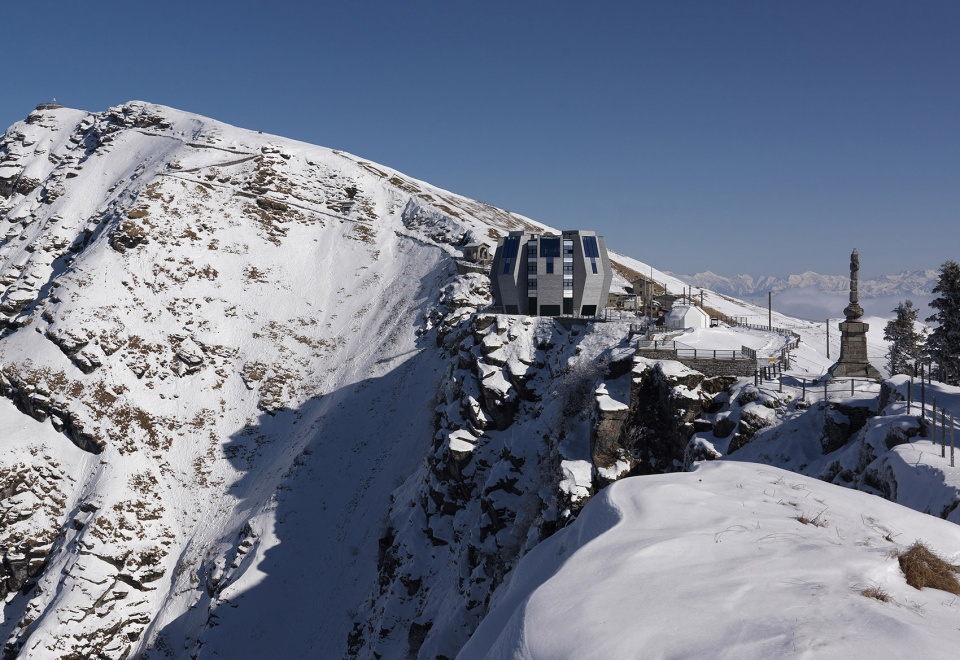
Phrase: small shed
(688, 316)
(476, 252)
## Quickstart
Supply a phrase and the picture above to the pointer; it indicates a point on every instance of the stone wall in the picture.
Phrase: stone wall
(708, 367)
(464, 267)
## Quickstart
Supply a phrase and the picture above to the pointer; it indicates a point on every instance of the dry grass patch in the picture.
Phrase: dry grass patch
(875, 592)
(924, 568)
(816, 521)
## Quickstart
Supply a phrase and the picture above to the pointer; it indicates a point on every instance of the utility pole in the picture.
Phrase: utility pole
(770, 310)
(828, 339)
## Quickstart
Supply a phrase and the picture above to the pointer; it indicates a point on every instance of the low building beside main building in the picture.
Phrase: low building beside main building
(687, 315)
(477, 253)
(547, 275)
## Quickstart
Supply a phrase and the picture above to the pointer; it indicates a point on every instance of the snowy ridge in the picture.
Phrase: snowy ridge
(624, 575)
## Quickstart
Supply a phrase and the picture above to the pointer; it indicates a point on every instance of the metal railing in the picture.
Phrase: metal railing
(688, 352)
(812, 390)
(656, 345)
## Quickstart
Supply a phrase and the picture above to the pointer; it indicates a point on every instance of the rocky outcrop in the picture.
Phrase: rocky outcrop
(841, 422)
(28, 493)
(663, 407)
(8, 178)
(127, 235)
(33, 395)
(606, 443)
(74, 345)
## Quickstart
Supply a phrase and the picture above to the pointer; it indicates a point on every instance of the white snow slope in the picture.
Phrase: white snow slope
(716, 563)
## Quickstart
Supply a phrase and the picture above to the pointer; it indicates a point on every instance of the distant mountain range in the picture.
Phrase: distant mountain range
(911, 283)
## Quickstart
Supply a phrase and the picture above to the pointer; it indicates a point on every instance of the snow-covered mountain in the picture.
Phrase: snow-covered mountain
(238, 333)
(904, 285)
(253, 408)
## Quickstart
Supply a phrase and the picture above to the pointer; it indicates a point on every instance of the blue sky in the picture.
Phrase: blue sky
(761, 137)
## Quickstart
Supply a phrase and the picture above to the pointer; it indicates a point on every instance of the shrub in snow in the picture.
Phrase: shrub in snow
(924, 568)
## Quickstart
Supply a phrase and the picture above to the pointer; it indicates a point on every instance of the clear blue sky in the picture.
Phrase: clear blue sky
(729, 136)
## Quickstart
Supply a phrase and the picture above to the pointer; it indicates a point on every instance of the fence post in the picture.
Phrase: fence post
(826, 397)
(943, 433)
(756, 378)
(934, 420)
(852, 381)
(781, 382)
(804, 397)
(910, 395)
(951, 440)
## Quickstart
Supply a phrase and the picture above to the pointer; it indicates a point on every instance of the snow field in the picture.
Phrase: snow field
(716, 563)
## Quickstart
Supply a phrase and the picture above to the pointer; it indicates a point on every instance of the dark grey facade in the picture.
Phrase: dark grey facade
(548, 275)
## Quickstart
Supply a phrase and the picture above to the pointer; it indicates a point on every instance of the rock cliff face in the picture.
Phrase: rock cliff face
(668, 404)
(510, 463)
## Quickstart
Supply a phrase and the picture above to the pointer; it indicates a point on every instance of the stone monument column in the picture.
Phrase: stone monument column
(853, 360)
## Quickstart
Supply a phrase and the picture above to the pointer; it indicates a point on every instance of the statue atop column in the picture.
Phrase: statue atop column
(853, 360)
(853, 311)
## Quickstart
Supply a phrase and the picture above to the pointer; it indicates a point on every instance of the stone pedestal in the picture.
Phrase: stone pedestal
(853, 360)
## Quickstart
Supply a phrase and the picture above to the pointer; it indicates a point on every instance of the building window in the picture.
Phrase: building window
(590, 248)
(568, 268)
(549, 266)
(511, 245)
(591, 251)
(532, 267)
(549, 247)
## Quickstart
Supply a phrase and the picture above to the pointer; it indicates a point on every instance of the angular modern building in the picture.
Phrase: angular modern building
(548, 275)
